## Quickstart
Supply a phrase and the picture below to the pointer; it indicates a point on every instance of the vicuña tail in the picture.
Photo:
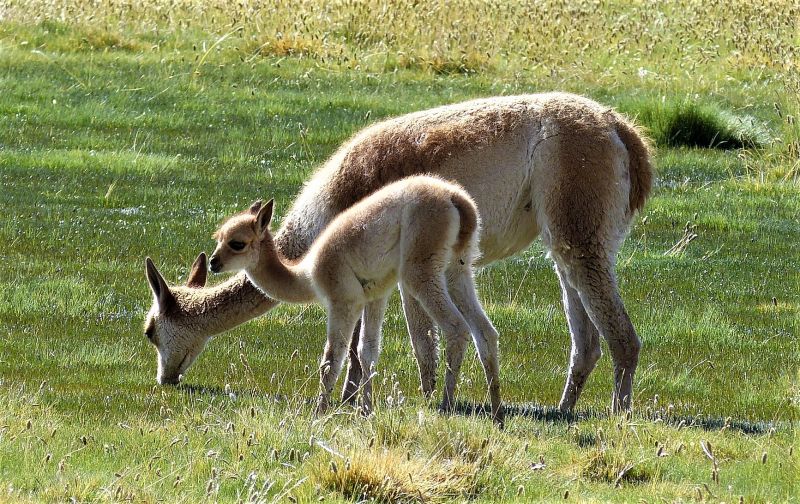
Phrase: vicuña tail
(640, 165)
(468, 225)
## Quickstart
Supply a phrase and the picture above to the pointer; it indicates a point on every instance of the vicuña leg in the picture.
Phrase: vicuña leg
(341, 323)
(484, 334)
(424, 340)
(436, 301)
(585, 343)
(354, 371)
(596, 284)
(369, 348)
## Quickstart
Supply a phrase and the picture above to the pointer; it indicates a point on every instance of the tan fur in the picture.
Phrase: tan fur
(204, 311)
(468, 214)
(639, 153)
(554, 165)
(420, 232)
(414, 144)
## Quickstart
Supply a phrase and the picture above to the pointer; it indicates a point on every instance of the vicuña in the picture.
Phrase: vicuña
(554, 165)
(420, 232)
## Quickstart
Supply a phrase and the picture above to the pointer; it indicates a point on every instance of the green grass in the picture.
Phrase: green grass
(134, 138)
(689, 124)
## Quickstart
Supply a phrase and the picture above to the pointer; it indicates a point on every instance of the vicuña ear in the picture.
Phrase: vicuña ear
(264, 217)
(199, 272)
(163, 296)
(255, 207)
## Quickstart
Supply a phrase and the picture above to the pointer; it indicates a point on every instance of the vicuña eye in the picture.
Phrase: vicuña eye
(236, 245)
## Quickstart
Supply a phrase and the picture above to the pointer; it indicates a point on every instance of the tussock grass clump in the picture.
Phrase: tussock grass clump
(99, 39)
(463, 62)
(607, 465)
(293, 45)
(584, 438)
(53, 36)
(393, 476)
(691, 124)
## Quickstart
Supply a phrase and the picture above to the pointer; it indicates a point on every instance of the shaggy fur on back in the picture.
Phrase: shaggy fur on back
(417, 143)
(420, 142)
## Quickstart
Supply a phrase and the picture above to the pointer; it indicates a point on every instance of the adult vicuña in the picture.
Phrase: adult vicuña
(420, 232)
(556, 165)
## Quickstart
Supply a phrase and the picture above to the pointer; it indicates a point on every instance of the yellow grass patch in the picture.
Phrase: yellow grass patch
(390, 475)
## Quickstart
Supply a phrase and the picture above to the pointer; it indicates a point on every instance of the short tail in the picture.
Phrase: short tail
(469, 224)
(640, 166)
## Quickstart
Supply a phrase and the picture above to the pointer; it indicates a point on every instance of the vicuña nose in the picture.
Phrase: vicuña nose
(213, 264)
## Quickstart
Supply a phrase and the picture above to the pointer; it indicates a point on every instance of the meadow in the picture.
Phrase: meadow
(130, 129)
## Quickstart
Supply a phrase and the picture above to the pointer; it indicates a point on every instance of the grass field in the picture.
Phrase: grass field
(132, 130)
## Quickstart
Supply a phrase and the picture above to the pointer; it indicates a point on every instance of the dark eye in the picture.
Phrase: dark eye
(149, 334)
(236, 245)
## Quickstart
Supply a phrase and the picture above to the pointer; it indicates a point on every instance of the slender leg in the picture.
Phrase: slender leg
(341, 323)
(433, 297)
(354, 372)
(484, 334)
(424, 340)
(369, 348)
(594, 280)
(585, 343)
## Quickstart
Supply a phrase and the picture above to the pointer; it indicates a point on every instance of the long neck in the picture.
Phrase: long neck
(222, 307)
(279, 279)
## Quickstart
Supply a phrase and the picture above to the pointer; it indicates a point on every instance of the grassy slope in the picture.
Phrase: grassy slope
(109, 156)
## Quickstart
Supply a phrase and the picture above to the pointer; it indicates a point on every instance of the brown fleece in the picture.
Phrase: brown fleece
(582, 186)
(415, 144)
(640, 167)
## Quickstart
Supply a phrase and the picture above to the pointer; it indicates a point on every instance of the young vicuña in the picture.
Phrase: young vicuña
(420, 232)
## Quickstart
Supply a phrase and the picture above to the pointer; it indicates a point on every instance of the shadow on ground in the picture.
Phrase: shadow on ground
(533, 411)
(552, 414)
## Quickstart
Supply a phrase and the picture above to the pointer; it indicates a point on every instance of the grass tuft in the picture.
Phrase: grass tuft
(395, 476)
(98, 39)
(607, 465)
(682, 123)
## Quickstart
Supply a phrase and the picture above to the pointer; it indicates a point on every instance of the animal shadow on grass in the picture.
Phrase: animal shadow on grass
(527, 410)
(554, 415)
(227, 392)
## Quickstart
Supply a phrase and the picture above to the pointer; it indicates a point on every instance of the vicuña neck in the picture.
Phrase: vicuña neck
(279, 279)
(223, 307)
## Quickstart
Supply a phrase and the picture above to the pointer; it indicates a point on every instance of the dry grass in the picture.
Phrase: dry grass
(607, 465)
(746, 52)
(389, 475)
(465, 34)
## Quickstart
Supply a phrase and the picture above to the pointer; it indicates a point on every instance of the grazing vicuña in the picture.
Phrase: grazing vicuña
(419, 232)
(554, 165)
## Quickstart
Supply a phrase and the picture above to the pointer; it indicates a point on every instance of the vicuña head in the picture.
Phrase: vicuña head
(176, 349)
(241, 237)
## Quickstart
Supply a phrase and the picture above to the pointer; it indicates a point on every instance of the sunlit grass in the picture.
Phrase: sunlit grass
(132, 131)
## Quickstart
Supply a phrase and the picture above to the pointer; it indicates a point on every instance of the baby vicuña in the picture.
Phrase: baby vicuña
(420, 232)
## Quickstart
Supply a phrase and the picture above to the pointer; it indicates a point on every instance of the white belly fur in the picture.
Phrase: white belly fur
(498, 179)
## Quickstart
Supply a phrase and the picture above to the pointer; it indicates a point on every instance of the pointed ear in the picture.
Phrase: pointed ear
(163, 296)
(255, 207)
(263, 218)
(199, 272)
